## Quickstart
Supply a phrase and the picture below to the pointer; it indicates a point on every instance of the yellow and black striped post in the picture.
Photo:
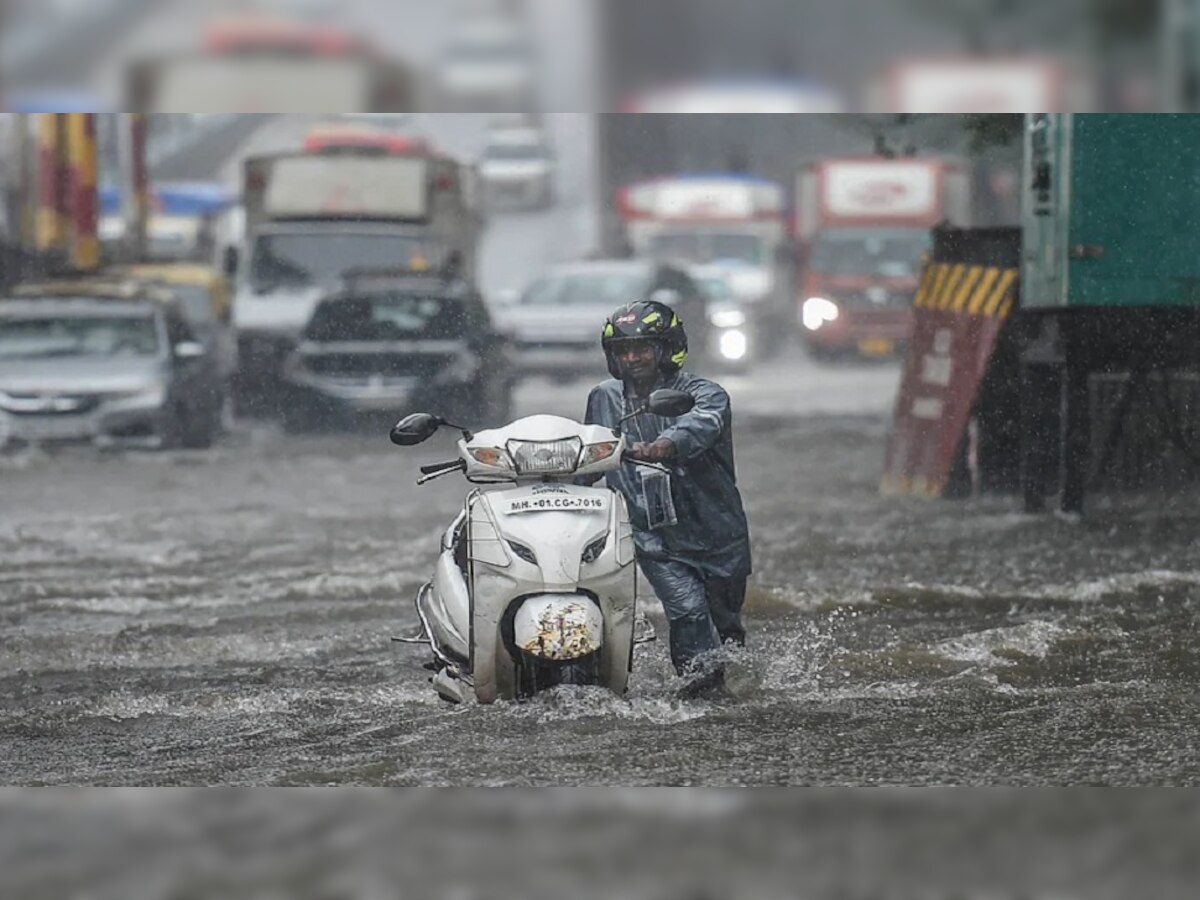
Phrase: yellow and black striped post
(84, 244)
(957, 287)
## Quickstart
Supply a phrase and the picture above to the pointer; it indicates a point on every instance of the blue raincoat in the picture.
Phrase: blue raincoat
(698, 565)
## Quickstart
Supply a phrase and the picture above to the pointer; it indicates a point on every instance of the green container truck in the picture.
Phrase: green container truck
(1111, 213)
(1110, 283)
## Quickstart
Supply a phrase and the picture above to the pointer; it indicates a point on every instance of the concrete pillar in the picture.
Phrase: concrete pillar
(134, 181)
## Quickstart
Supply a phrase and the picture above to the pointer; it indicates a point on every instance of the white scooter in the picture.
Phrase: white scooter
(535, 585)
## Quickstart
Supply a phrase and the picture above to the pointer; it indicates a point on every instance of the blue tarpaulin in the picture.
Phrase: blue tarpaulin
(197, 198)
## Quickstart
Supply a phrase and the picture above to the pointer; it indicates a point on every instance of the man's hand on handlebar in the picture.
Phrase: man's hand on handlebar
(658, 451)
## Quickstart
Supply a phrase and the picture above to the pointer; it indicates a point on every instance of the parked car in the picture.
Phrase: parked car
(204, 296)
(555, 325)
(518, 168)
(113, 363)
(396, 344)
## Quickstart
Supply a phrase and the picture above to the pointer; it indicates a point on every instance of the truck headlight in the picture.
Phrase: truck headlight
(817, 311)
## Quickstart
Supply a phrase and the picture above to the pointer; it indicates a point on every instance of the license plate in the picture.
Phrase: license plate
(555, 503)
(876, 347)
(46, 429)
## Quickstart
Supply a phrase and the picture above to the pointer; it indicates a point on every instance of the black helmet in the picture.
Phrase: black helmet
(646, 320)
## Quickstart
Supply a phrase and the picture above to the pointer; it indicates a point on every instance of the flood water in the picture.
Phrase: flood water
(224, 617)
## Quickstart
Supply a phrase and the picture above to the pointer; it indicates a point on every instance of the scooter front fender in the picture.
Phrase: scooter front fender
(558, 627)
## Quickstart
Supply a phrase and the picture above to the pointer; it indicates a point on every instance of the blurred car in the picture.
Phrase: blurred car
(729, 331)
(395, 343)
(109, 362)
(518, 169)
(204, 296)
(488, 65)
(555, 325)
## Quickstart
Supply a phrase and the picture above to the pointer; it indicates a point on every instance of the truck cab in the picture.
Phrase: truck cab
(314, 217)
(863, 230)
(732, 225)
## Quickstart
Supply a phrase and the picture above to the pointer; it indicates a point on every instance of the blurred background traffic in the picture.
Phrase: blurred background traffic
(588, 56)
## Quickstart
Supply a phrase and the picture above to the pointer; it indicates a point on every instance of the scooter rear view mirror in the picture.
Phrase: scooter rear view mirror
(670, 403)
(415, 429)
(663, 402)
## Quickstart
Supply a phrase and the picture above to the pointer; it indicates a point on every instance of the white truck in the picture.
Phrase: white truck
(314, 219)
(731, 226)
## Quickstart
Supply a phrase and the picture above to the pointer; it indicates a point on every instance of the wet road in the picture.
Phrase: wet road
(223, 617)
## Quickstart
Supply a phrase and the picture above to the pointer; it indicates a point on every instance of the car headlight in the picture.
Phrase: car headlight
(733, 345)
(150, 395)
(546, 457)
(817, 311)
(727, 318)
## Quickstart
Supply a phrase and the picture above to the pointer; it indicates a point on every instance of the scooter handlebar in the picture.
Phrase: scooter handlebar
(449, 465)
(628, 457)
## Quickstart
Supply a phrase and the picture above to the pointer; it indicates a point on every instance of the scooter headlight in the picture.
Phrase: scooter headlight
(546, 457)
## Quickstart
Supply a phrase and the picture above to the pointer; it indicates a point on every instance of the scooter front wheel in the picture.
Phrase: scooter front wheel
(535, 675)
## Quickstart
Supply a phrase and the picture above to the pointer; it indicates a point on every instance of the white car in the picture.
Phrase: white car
(517, 169)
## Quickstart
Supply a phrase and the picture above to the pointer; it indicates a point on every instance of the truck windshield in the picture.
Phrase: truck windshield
(695, 247)
(880, 255)
(304, 260)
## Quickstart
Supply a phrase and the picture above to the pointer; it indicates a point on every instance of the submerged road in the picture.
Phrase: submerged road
(224, 617)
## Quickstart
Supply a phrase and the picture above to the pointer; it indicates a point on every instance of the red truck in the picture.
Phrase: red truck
(862, 227)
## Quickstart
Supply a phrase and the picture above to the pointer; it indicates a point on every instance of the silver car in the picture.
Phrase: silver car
(109, 366)
(555, 325)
